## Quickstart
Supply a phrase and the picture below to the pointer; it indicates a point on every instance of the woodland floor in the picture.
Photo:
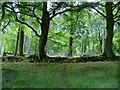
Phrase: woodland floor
(101, 74)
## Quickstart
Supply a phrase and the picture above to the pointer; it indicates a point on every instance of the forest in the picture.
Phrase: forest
(59, 44)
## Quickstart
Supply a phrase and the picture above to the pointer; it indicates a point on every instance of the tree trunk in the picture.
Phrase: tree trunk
(100, 45)
(109, 27)
(29, 45)
(103, 40)
(93, 47)
(100, 40)
(24, 48)
(85, 47)
(89, 47)
(16, 48)
(0, 48)
(21, 42)
(70, 46)
(71, 33)
(41, 54)
(82, 48)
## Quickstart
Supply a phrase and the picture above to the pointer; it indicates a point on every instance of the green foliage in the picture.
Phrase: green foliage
(116, 39)
(86, 27)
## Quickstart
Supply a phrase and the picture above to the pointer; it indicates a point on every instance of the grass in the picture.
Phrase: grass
(56, 75)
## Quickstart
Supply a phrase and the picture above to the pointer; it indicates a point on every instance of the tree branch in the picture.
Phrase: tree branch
(55, 14)
(37, 18)
(31, 15)
(99, 12)
(3, 10)
(76, 8)
(27, 26)
(6, 25)
(22, 21)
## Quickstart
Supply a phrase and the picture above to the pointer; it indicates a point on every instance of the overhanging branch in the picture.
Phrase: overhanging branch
(67, 10)
(77, 8)
(55, 14)
(5, 26)
(99, 12)
(27, 26)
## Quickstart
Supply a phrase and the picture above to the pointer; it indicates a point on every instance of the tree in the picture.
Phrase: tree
(109, 27)
(71, 26)
(29, 45)
(111, 18)
(21, 42)
(42, 16)
(16, 47)
(0, 48)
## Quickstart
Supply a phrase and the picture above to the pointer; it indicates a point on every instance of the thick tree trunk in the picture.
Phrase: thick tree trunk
(70, 46)
(109, 27)
(41, 54)
(16, 48)
(21, 42)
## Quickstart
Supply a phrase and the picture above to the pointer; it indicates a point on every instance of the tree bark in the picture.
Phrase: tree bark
(85, 47)
(70, 46)
(89, 47)
(24, 48)
(93, 47)
(109, 27)
(0, 48)
(16, 48)
(29, 45)
(41, 54)
(103, 40)
(71, 33)
(21, 42)
(82, 48)
(100, 45)
(100, 40)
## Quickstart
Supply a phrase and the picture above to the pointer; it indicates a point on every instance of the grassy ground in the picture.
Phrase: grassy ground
(56, 75)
